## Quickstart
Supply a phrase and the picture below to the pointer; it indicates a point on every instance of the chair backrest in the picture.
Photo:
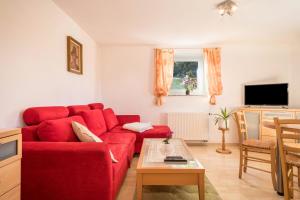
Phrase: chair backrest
(241, 126)
(287, 129)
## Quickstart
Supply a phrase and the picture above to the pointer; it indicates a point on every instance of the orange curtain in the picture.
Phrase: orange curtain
(212, 60)
(164, 67)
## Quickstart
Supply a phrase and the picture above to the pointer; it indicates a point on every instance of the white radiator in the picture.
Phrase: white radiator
(189, 126)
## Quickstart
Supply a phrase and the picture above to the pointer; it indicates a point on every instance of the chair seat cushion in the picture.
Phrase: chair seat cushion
(267, 144)
(293, 160)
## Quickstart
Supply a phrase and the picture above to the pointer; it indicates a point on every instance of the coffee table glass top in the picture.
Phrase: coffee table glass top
(155, 151)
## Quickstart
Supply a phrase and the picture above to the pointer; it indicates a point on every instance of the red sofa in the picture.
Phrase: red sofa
(56, 166)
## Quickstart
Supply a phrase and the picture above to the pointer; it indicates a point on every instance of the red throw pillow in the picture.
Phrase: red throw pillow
(95, 121)
(59, 130)
(111, 119)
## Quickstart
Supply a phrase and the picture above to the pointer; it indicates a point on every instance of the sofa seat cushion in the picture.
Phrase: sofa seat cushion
(95, 121)
(59, 130)
(120, 129)
(36, 115)
(111, 119)
(119, 138)
(76, 109)
(158, 131)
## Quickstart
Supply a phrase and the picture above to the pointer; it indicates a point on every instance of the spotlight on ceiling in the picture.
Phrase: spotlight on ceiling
(227, 7)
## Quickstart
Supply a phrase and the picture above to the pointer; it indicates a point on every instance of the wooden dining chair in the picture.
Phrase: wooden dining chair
(286, 130)
(254, 146)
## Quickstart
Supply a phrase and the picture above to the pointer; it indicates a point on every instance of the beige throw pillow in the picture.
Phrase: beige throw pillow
(85, 135)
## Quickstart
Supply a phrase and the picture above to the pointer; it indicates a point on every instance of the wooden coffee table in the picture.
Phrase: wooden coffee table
(152, 170)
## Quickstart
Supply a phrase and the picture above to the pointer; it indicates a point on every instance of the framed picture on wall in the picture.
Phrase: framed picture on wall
(74, 55)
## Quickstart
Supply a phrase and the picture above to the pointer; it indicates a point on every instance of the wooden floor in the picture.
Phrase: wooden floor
(222, 171)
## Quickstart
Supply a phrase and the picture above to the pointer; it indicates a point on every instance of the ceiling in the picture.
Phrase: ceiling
(183, 22)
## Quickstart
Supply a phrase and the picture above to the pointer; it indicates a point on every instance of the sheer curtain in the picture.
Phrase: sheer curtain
(164, 67)
(212, 60)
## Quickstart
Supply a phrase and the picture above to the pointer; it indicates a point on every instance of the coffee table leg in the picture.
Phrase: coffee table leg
(201, 186)
(139, 187)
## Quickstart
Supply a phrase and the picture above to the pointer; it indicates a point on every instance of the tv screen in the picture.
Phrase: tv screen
(271, 94)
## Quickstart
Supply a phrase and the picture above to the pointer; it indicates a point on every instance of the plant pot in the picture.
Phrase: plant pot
(168, 148)
(222, 124)
(187, 92)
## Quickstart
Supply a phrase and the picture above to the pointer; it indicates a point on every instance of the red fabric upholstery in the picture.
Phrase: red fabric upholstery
(35, 115)
(58, 130)
(124, 119)
(94, 106)
(76, 109)
(68, 171)
(121, 138)
(77, 170)
(159, 131)
(138, 147)
(95, 121)
(119, 129)
(29, 133)
(119, 168)
(111, 119)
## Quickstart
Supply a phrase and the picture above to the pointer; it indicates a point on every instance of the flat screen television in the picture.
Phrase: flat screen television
(267, 94)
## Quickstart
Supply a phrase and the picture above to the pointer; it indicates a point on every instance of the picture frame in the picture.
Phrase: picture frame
(74, 56)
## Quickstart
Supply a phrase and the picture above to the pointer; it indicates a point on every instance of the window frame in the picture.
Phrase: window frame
(192, 55)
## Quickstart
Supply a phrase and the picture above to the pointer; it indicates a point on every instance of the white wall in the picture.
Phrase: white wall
(33, 59)
(127, 74)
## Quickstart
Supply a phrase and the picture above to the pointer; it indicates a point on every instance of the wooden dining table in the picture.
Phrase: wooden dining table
(279, 187)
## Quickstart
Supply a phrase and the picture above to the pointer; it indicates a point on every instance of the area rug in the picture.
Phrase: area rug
(179, 192)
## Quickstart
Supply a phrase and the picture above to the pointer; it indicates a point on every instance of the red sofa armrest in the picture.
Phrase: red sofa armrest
(66, 170)
(124, 119)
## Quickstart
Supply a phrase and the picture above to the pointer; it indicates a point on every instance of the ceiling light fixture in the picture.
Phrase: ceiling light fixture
(227, 7)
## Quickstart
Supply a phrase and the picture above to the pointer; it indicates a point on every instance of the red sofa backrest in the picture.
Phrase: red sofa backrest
(76, 109)
(95, 106)
(34, 116)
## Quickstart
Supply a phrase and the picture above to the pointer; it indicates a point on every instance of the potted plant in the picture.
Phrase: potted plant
(189, 84)
(168, 148)
(222, 118)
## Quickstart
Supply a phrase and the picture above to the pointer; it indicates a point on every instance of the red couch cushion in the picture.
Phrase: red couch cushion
(29, 133)
(95, 121)
(35, 115)
(59, 130)
(158, 131)
(118, 138)
(94, 106)
(76, 109)
(111, 119)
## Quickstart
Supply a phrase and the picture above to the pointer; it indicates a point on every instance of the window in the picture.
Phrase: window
(189, 73)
